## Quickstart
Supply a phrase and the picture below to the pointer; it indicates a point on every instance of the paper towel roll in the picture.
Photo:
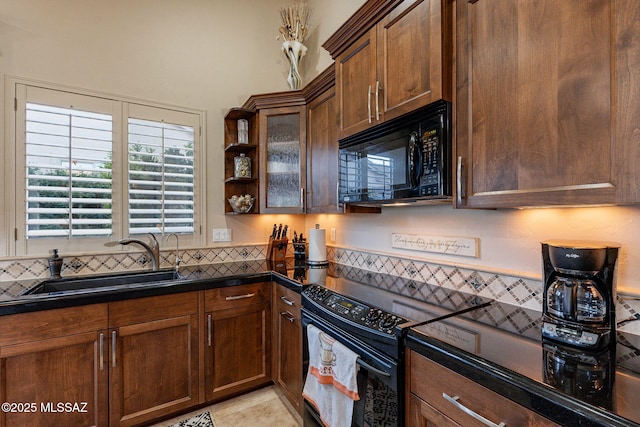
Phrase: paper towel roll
(317, 246)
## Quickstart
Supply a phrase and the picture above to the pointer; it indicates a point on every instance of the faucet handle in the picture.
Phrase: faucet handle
(154, 244)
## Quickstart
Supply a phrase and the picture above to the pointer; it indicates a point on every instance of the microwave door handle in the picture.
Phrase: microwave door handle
(415, 160)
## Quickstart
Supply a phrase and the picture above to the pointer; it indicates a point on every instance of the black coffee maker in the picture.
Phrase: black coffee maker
(579, 293)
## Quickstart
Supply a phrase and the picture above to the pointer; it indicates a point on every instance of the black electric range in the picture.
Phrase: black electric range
(370, 313)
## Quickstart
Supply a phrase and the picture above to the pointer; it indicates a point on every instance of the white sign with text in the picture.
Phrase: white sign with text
(463, 246)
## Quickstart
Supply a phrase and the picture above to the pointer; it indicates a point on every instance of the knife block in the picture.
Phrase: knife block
(277, 249)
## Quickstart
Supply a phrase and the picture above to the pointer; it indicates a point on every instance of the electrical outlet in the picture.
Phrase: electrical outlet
(333, 234)
(221, 235)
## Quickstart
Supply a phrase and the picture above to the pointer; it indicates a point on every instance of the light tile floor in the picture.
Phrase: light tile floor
(262, 407)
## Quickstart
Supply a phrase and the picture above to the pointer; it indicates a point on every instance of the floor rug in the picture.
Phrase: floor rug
(200, 420)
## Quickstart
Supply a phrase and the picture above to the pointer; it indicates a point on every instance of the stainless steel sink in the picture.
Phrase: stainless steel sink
(84, 284)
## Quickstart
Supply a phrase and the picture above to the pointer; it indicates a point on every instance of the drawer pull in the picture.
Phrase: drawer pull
(101, 351)
(378, 89)
(287, 316)
(369, 103)
(286, 301)
(114, 339)
(483, 420)
(459, 181)
(236, 297)
(209, 330)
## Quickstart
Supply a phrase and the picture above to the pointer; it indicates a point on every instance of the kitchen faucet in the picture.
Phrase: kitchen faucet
(152, 249)
(177, 248)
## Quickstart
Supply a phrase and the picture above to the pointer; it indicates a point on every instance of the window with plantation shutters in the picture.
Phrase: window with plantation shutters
(161, 177)
(92, 169)
(68, 172)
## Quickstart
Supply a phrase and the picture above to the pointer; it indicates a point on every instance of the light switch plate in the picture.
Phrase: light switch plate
(221, 235)
(333, 234)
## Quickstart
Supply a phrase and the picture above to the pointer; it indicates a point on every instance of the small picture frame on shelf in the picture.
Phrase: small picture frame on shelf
(243, 131)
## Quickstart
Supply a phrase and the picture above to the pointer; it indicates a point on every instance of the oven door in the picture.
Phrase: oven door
(380, 380)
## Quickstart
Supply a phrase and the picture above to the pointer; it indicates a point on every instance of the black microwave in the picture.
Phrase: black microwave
(407, 159)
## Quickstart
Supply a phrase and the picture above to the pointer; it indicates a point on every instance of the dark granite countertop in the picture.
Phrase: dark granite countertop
(567, 385)
(191, 278)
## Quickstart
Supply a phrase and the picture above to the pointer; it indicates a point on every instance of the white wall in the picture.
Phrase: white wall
(509, 240)
(207, 54)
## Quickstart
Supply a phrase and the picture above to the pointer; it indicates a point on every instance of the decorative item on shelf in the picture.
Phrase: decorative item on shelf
(299, 246)
(242, 204)
(242, 167)
(294, 29)
(243, 131)
(278, 241)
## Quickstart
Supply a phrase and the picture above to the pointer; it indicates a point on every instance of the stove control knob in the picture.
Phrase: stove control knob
(374, 315)
(389, 322)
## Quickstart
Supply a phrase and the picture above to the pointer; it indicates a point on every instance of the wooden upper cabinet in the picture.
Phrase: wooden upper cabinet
(356, 79)
(322, 145)
(280, 136)
(545, 111)
(414, 56)
(398, 61)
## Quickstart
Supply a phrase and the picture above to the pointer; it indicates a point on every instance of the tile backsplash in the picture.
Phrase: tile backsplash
(521, 291)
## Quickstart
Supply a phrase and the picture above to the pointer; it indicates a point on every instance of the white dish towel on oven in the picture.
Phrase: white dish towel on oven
(331, 384)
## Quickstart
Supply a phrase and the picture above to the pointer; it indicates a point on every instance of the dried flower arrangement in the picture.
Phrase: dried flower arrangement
(295, 22)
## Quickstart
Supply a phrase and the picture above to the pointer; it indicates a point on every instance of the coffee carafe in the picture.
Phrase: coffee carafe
(579, 293)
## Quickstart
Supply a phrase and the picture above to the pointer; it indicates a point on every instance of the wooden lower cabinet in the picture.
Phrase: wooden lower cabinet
(154, 354)
(428, 383)
(238, 339)
(52, 369)
(287, 345)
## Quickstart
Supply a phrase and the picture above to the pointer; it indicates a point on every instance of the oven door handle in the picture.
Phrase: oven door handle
(370, 368)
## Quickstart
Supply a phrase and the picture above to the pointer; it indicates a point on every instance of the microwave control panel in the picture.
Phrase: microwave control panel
(431, 164)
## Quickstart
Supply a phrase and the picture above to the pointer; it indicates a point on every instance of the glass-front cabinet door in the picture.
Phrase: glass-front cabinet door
(283, 158)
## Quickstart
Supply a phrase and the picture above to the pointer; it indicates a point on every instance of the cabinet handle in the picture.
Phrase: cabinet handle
(459, 181)
(378, 89)
(287, 316)
(369, 103)
(302, 199)
(209, 329)
(338, 196)
(113, 348)
(235, 297)
(101, 346)
(286, 301)
(483, 420)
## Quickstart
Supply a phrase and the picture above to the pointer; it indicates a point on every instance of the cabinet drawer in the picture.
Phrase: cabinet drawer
(431, 381)
(39, 325)
(148, 309)
(288, 299)
(236, 296)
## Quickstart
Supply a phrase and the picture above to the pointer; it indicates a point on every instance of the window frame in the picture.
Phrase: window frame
(14, 221)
